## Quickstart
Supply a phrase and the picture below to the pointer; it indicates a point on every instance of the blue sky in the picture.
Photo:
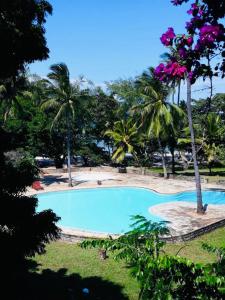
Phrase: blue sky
(106, 40)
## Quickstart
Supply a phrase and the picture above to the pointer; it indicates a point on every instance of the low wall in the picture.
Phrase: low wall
(196, 233)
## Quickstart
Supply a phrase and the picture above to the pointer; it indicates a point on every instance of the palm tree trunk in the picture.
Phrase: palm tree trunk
(178, 95)
(210, 169)
(69, 152)
(163, 159)
(197, 175)
(173, 160)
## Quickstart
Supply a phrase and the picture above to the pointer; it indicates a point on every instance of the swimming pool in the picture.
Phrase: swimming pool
(109, 209)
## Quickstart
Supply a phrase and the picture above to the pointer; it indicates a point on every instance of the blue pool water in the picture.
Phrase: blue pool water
(109, 209)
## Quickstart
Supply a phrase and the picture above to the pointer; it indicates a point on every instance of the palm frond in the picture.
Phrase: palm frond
(50, 103)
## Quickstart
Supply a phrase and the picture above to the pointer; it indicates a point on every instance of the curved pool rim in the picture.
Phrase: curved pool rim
(126, 186)
(72, 233)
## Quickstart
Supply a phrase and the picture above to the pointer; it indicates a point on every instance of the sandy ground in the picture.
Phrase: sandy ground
(181, 215)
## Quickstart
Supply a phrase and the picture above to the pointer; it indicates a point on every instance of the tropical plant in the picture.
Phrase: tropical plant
(209, 134)
(158, 114)
(160, 276)
(124, 135)
(63, 96)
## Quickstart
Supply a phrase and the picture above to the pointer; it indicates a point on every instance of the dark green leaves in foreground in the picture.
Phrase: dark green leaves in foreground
(161, 276)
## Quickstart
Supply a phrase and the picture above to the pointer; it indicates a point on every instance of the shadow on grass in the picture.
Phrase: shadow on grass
(57, 285)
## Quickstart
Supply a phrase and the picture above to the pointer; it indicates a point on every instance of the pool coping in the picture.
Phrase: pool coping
(75, 234)
(122, 186)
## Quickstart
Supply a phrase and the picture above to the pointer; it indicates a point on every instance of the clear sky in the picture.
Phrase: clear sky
(106, 40)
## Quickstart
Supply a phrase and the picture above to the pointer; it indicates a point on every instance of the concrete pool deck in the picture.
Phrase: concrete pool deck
(182, 216)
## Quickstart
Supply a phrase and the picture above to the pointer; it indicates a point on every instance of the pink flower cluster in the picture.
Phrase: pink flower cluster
(183, 45)
(209, 34)
(170, 71)
(167, 37)
(185, 41)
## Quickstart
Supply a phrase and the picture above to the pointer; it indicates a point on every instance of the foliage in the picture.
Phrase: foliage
(157, 112)
(23, 231)
(124, 135)
(219, 266)
(160, 119)
(62, 96)
(22, 37)
(160, 276)
(125, 91)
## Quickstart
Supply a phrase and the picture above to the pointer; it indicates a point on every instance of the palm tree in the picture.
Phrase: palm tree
(157, 113)
(124, 135)
(63, 96)
(214, 131)
(207, 139)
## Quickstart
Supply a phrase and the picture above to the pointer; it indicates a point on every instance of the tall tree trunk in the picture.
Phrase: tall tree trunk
(173, 160)
(210, 168)
(163, 159)
(68, 152)
(178, 95)
(197, 175)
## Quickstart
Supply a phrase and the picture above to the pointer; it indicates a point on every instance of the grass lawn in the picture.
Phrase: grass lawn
(220, 171)
(109, 276)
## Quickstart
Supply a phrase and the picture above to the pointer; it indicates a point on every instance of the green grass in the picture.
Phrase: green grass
(88, 265)
(112, 275)
(219, 171)
(193, 250)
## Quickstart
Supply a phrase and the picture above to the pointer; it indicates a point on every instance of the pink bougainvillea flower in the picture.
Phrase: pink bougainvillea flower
(194, 9)
(182, 53)
(167, 37)
(159, 72)
(159, 69)
(189, 41)
(170, 71)
(181, 70)
(184, 41)
(209, 34)
(190, 75)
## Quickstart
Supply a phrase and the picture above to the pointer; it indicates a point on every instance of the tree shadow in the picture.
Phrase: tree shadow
(53, 179)
(57, 285)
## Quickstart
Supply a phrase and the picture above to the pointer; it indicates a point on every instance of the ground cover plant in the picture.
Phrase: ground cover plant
(161, 275)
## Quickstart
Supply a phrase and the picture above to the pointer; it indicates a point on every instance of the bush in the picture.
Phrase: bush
(23, 230)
